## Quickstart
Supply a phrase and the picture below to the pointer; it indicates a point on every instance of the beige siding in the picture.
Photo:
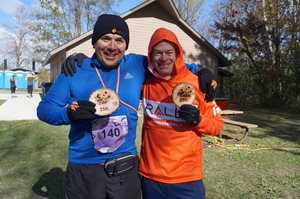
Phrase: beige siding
(142, 22)
(84, 47)
(56, 65)
(142, 26)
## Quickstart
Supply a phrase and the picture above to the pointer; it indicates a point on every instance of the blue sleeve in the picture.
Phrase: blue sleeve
(53, 107)
(141, 59)
(194, 68)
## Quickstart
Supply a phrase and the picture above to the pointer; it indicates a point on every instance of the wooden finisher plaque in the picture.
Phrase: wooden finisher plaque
(106, 100)
(183, 93)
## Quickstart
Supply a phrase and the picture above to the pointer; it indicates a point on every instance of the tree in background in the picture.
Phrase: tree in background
(18, 38)
(55, 22)
(44, 75)
(189, 10)
(262, 38)
(60, 21)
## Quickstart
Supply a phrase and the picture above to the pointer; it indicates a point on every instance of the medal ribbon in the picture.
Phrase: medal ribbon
(117, 86)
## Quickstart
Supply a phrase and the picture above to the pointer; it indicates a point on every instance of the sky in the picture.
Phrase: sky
(8, 8)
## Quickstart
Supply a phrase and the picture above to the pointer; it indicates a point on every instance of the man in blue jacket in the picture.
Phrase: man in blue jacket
(103, 160)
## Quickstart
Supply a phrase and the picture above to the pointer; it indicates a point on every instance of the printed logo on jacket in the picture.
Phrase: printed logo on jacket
(161, 110)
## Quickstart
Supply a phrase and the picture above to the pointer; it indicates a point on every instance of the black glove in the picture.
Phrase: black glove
(81, 110)
(190, 114)
(207, 83)
(69, 66)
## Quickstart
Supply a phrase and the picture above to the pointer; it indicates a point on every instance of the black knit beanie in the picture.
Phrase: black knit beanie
(108, 23)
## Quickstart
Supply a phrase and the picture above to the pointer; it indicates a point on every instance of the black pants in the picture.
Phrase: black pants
(86, 181)
(13, 89)
(29, 89)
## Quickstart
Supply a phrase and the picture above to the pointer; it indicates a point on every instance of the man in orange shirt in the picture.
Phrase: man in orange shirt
(171, 151)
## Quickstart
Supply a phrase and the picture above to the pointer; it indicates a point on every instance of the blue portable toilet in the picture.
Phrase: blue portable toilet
(20, 78)
(2, 79)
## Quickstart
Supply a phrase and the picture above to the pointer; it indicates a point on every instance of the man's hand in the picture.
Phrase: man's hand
(81, 110)
(69, 66)
(207, 83)
(190, 114)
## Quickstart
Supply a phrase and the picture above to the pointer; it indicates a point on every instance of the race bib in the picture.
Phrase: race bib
(109, 133)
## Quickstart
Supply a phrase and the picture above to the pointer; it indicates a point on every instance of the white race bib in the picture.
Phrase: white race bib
(109, 133)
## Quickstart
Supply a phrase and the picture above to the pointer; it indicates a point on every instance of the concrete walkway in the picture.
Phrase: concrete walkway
(20, 107)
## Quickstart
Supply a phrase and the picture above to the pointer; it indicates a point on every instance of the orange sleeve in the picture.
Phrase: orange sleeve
(211, 121)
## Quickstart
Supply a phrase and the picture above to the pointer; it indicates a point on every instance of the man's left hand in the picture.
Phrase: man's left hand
(69, 65)
(207, 84)
(190, 113)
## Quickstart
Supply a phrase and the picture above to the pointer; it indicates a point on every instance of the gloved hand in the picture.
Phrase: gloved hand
(190, 114)
(69, 65)
(81, 110)
(207, 83)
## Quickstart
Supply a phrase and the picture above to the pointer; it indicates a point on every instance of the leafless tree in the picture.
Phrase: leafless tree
(189, 10)
(18, 37)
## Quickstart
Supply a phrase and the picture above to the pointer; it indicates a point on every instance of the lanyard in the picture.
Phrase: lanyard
(117, 86)
(102, 82)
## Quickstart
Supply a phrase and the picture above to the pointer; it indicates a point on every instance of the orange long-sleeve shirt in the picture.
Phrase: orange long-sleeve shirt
(171, 150)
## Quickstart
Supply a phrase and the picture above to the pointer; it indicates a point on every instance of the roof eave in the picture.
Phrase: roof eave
(175, 13)
(64, 46)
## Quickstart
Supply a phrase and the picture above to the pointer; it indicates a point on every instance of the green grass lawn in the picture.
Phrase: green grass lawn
(2, 101)
(34, 156)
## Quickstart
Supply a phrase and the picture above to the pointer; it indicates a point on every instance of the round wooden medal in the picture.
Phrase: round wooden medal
(183, 93)
(106, 100)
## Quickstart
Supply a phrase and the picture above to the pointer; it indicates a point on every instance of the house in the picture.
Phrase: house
(143, 20)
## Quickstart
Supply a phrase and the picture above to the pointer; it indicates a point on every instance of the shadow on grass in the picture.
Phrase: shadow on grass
(51, 184)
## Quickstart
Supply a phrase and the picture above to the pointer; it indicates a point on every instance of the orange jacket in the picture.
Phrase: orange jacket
(171, 150)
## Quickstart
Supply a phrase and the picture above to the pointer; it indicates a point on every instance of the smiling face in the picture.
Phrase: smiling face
(163, 56)
(110, 48)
